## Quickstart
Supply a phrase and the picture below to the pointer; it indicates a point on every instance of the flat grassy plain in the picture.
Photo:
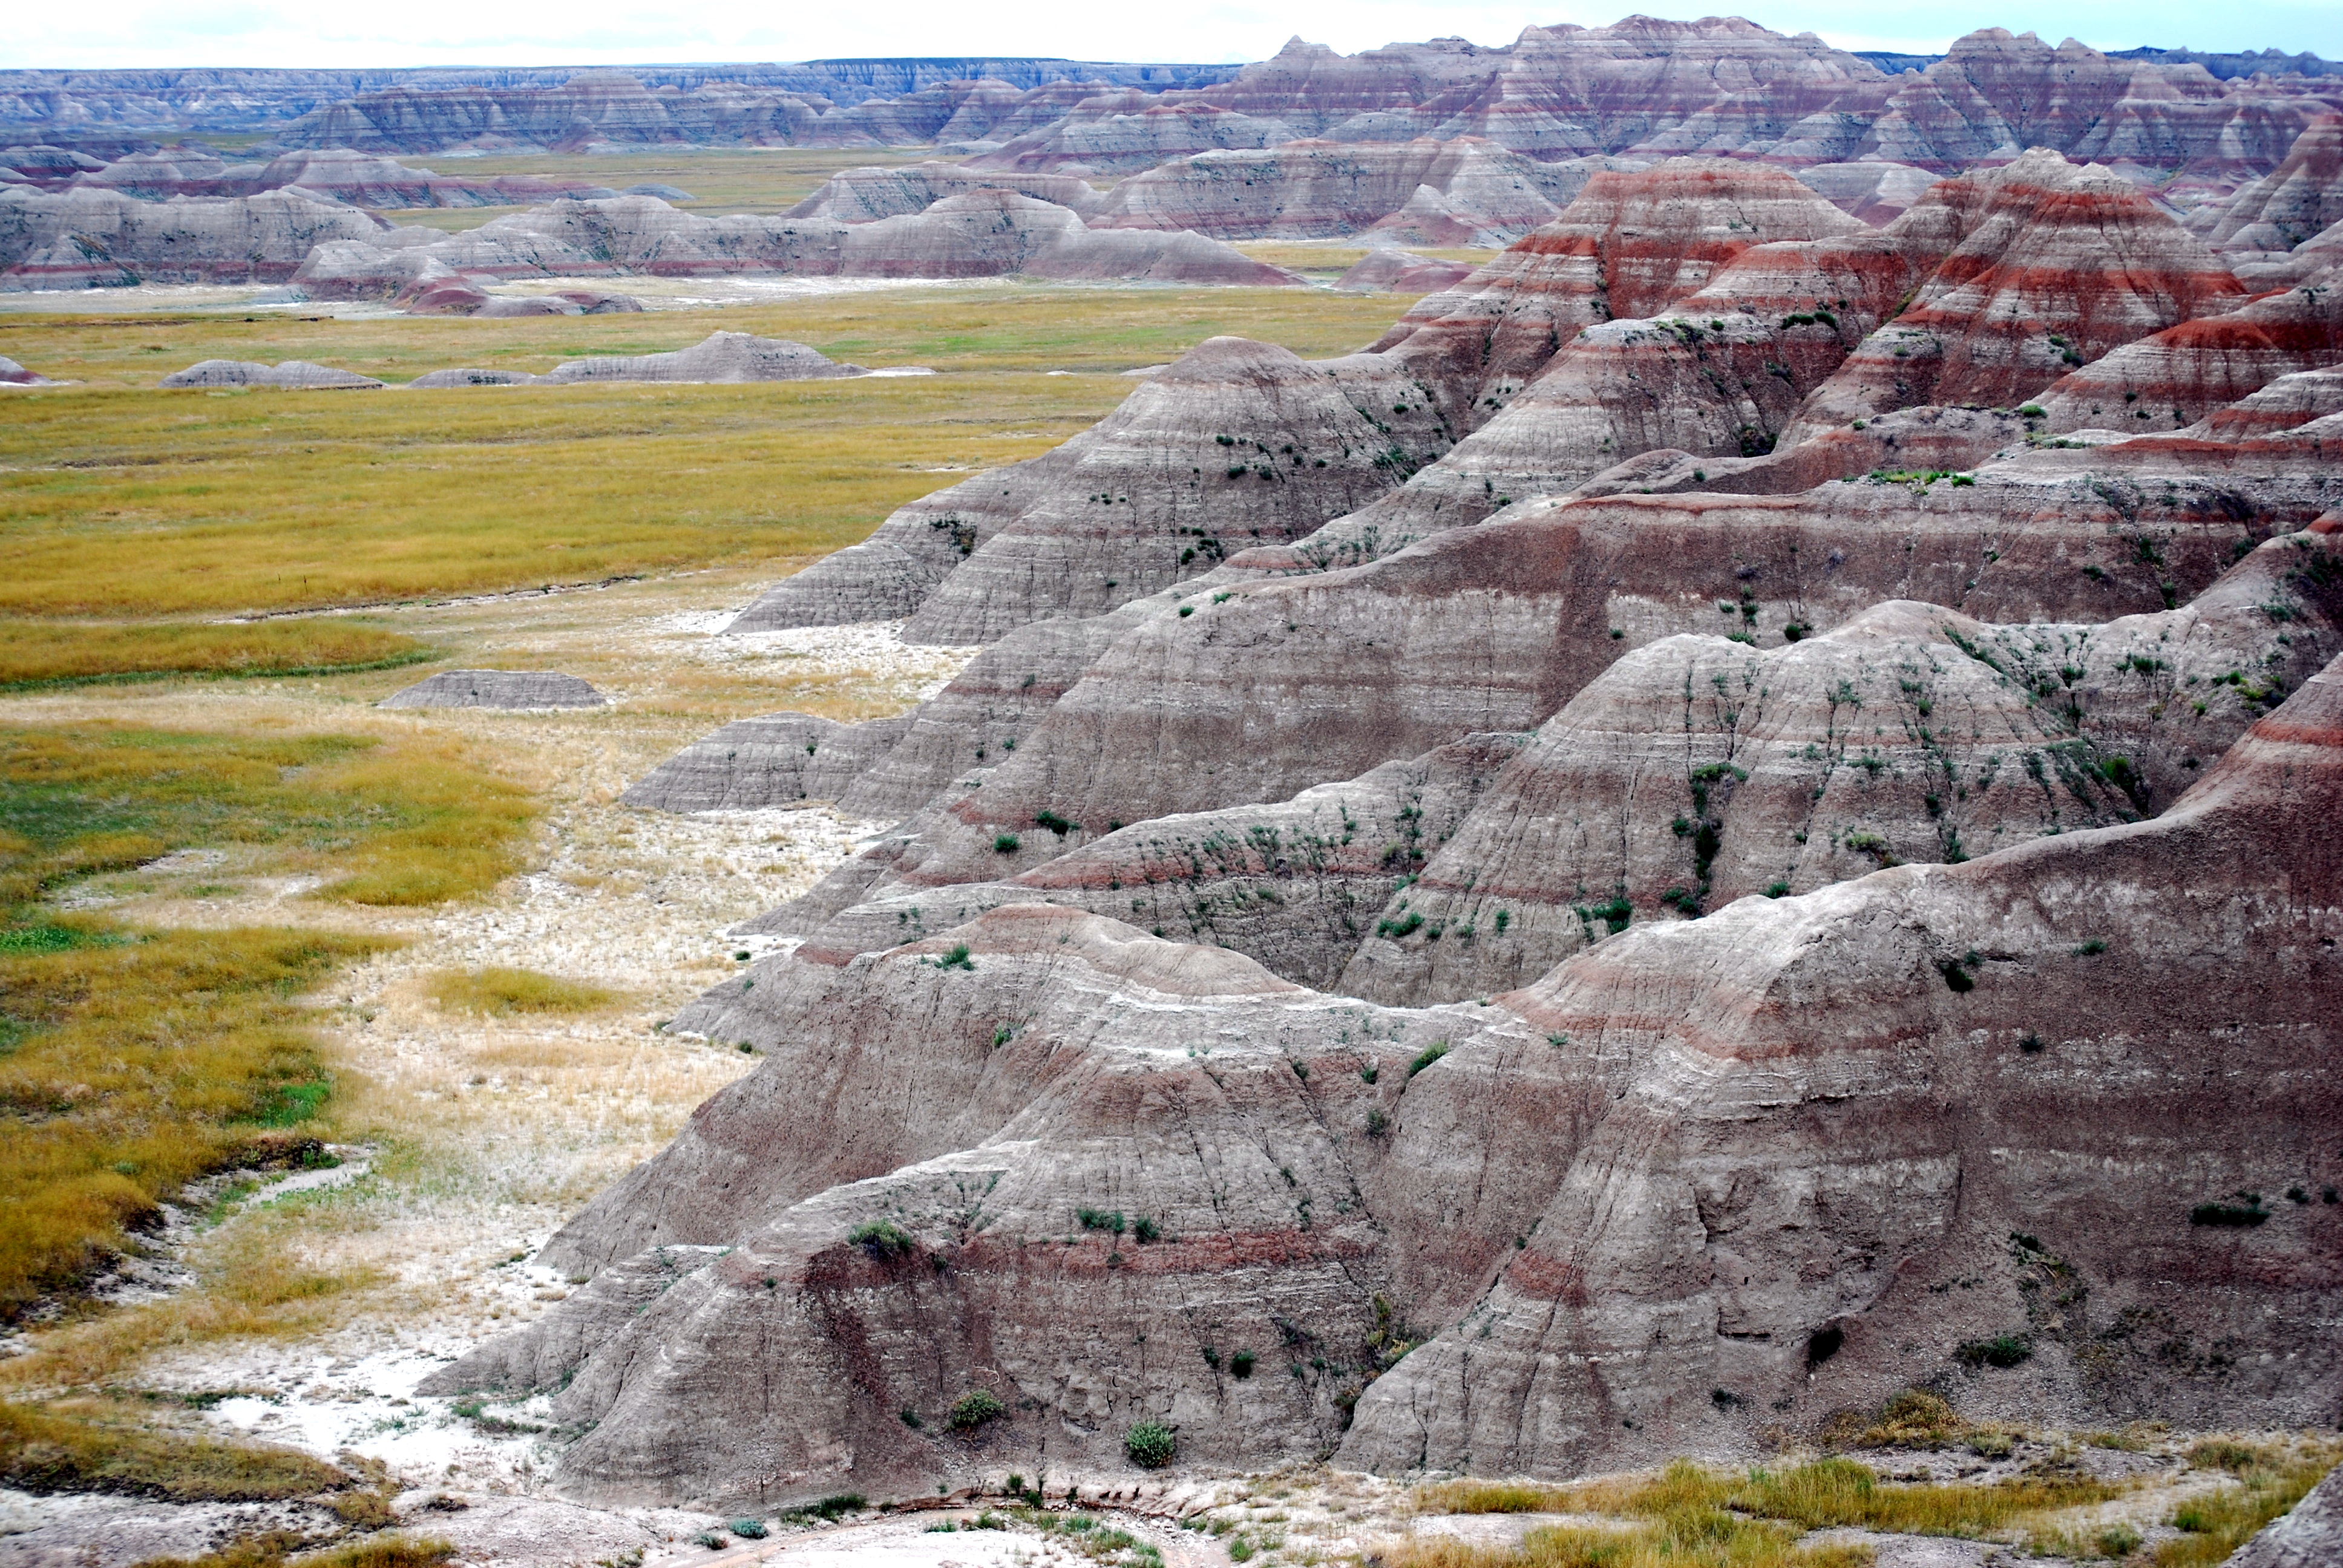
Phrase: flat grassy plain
(127, 512)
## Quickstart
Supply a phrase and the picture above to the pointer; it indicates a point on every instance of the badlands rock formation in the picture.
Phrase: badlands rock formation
(1089, 1136)
(1401, 272)
(510, 689)
(83, 238)
(863, 196)
(2291, 202)
(980, 234)
(1318, 189)
(290, 374)
(331, 174)
(15, 375)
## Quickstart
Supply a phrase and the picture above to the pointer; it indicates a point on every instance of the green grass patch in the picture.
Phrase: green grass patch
(495, 992)
(82, 1446)
(2273, 1476)
(35, 654)
(132, 1062)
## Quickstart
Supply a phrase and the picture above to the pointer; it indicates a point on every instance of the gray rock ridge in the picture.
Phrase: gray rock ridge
(290, 374)
(1908, 734)
(1294, 886)
(1494, 628)
(1931, 1132)
(866, 195)
(1692, 771)
(721, 356)
(1236, 444)
(85, 238)
(1689, 1159)
(981, 232)
(777, 759)
(15, 375)
(510, 689)
(2309, 1535)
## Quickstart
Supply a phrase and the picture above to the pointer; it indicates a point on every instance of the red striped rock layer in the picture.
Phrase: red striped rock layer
(1833, 1162)
(2179, 376)
(1777, 1151)
(1237, 444)
(2063, 265)
(1695, 771)
(1628, 246)
(1316, 189)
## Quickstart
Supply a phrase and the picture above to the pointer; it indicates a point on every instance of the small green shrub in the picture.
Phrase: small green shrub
(2245, 1214)
(976, 1407)
(748, 1528)
(1427, 1056)
(1101, 1220)
(1240, 1365)
(1145, 1228)
(1005, 844)
(957, 959)
(2001, 1351)
(1151, 1444)
(882, 1239)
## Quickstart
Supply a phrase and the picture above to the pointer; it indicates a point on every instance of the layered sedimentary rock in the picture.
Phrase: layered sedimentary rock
(1695, 771)
(87, 239)
(517, 689)
(1753, 1152)
(2175, 378)
(1319, 189)
(331, 174)
(291, 374)
(1237, 444)
(1878, 193)
(774, 760)
(2291, 202)
(590, 106)
(725, 356)
(15, 375)
(864, 196)
(982, 234)
(2061, 265)
(1401, 272)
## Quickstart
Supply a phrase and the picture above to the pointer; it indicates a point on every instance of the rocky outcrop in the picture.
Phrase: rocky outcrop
(1401, 272)
(2061, 265)
(613, 106)
(432, 380)
(1878, 192)
(1907, 734)
(775, 761)
(84, 238)
(2178, 377)
(15, 375)
(865, 196)
(290, 374)
(329, 174)
(513, 688)
(2313, 255)
(1237, 444)
(982, 234)
(721, 356)
(2310, 1534)
(2291, 202)
(1320, 189)
(979, 1157)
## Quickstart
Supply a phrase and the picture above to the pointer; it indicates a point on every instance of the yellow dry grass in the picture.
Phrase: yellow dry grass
(496, 991)
(90, 1445)
(35, 654)
(138, 1060)
(2273, 1477)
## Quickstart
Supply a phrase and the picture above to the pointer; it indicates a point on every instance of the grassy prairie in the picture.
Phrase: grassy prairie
(133, 1060)
(39, 654)
(270, 501)
(722, 180)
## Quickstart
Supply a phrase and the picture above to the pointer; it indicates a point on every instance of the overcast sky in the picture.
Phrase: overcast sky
(181, 33)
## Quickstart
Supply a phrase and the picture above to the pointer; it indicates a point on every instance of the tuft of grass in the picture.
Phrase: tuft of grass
(498, 992)
(81, 1447)
(35, 654)
(2275, 1477)
(1490, 1497)
(272, 1550)
(975, 1408)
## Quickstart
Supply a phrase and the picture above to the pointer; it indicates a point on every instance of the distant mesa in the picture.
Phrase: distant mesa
(15, 375)
(723, 359)
(506, 689)
(664, 193)
(292, 376)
